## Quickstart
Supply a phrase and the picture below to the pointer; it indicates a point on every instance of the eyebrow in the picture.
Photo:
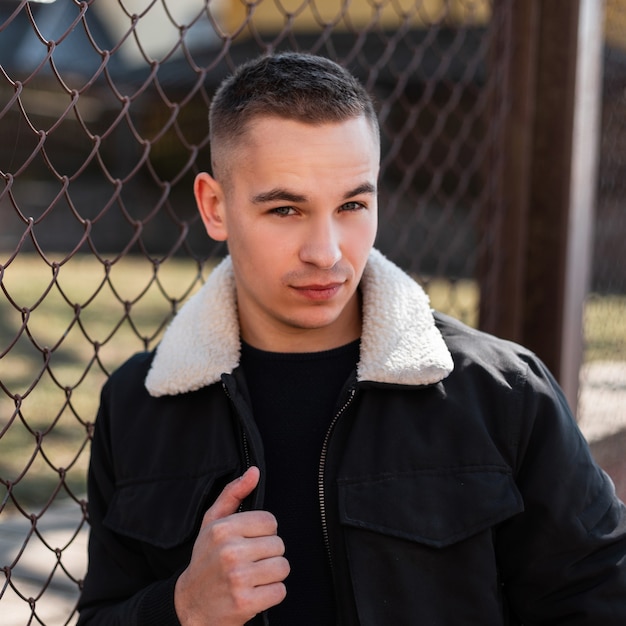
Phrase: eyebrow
(284, 195)
(363, 189)
(278, 194)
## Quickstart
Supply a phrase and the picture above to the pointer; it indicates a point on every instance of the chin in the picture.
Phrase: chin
(315, 322)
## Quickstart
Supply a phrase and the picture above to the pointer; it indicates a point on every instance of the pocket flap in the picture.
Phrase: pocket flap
(163, 512)
(435, 508)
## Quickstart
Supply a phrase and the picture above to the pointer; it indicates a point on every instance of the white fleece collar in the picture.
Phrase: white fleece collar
(399, 343)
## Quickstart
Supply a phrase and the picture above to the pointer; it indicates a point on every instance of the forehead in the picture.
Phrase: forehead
(292, 148)
(262, 131)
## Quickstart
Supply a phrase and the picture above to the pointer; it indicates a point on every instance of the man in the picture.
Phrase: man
(310, 444)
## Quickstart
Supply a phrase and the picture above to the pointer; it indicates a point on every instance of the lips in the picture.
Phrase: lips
(318, 292)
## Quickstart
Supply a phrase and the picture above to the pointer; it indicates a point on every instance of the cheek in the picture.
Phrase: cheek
(360, 237)
(260, 258)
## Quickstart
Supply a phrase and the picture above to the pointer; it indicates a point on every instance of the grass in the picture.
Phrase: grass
(63, 331)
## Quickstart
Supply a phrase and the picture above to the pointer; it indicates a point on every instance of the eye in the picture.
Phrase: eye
(352, 206)
(283, 211)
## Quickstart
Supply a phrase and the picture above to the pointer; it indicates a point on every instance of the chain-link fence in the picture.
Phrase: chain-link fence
(103, 126)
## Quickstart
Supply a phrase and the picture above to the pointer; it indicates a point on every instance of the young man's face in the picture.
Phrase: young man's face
(299, 212)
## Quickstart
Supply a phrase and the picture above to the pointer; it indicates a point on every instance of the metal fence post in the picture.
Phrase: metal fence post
(537, 294)
(503, 266)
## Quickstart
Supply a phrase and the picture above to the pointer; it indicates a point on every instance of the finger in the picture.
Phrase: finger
(240, 537)
(233, 495)
(258, 575)
(272, 570)
(253, 549)
(266, 547)
(257, 599)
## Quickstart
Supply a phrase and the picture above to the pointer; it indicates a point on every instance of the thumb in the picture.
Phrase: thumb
(233, 495)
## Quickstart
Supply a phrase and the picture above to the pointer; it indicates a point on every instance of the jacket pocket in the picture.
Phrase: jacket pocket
(433, 507)
(420, 545)
(166, 511)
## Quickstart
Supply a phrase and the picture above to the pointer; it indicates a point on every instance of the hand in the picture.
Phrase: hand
(237, 565)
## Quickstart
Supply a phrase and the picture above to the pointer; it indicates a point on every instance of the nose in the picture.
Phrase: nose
(321, 245)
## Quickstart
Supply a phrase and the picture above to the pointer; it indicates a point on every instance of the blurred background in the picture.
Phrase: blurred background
(503, 191)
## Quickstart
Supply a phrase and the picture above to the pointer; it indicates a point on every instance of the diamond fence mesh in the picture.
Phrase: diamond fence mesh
(103, 126)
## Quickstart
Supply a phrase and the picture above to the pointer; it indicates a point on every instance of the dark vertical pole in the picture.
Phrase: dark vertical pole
(503, 267)
(549, 179)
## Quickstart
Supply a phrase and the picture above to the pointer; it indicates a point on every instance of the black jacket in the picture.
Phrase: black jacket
(469, 498)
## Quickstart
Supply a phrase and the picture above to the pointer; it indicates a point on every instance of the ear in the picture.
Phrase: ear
(211, 205)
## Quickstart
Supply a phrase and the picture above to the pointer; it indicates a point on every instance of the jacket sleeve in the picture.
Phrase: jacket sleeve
(562, 561)
(119, 588)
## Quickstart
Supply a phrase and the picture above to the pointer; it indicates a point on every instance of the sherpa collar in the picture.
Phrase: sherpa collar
(399, 342)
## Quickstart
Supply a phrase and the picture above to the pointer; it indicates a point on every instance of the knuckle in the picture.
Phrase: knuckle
(244, 603)
(237, 580)
(217, 532)
(229, 556)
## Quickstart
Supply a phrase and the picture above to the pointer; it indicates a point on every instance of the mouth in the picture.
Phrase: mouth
(318, 292)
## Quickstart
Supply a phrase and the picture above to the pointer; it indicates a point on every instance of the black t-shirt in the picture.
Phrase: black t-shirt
(294, 398)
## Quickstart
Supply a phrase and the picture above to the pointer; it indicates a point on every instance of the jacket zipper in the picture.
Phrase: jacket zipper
(322, 471)
(244, 438)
